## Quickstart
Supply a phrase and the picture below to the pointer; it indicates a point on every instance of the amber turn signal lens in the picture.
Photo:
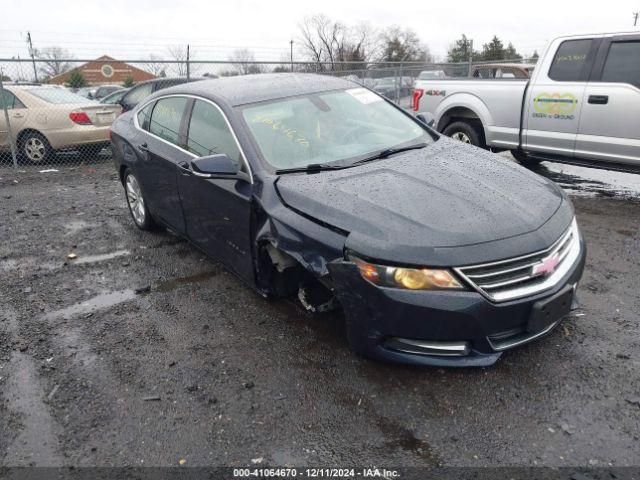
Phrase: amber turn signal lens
(368, 271)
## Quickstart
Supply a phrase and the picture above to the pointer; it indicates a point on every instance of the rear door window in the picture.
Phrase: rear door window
(570, 61)
(166, 118)
(9, 100)
(623, 63)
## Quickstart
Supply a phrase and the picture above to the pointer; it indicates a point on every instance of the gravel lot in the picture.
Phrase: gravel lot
(141, 351)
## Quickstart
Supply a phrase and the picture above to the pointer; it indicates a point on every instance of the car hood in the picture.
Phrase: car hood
(447, 204)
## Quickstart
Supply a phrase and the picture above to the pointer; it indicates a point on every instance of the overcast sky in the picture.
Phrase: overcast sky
(128, 29)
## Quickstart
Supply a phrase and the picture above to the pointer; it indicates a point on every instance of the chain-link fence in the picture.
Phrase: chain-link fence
(59, 112)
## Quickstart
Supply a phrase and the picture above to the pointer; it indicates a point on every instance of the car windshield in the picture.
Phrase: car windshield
(386, 81)
(58, 96)
(329, 127)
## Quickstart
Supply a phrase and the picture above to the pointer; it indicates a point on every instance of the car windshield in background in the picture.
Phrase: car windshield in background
(58, 96)
(329, 127)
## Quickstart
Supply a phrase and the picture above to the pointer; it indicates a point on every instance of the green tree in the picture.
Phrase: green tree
(128, 82)
(76, 80)
(494, 50)
(510, 53)
(461, 50)
(4, 78)
(535, 57)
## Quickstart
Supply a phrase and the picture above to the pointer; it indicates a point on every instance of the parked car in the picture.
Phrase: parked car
(432, 75)
(84, 91)
(501, 70)
(115, 97)
(439, 253)
(47, 118)
(103, 90)
(390, 87)
(144, 89)
(581, 105)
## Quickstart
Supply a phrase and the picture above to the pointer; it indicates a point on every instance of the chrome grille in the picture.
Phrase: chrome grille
(526, 275)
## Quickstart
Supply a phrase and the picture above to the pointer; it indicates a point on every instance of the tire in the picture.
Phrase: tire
(465, 132)
(524, 159)
(136, 202)
(35, 148)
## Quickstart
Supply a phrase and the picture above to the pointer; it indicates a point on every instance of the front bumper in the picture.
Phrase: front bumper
(379, 318)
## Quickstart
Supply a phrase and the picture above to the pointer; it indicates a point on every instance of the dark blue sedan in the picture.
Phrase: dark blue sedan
(314, 187)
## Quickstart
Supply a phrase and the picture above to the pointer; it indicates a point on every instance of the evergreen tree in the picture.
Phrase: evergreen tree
(76, 80)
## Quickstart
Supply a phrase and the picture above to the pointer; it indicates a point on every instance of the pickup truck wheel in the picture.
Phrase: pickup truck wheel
(464, 132)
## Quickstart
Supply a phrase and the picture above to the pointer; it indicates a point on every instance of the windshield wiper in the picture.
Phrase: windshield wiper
(387, 152)
(311, 168)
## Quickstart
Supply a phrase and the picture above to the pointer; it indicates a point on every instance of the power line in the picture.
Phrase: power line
(635, 18)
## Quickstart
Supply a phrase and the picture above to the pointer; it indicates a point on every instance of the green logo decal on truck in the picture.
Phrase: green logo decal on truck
(555, 105)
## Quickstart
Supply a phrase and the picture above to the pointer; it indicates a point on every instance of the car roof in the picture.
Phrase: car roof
(245, 89)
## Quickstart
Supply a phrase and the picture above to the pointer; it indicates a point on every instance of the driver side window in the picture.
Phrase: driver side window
(209, 133)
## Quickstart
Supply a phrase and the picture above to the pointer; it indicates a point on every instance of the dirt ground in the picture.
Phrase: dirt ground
(141, 351)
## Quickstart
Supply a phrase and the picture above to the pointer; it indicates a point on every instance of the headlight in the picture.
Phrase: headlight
(407, 278)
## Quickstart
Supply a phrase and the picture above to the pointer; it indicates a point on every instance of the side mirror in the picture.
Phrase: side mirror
(215, 166)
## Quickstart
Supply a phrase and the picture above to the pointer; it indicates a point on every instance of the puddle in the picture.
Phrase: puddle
(101, 257)
(591, 181)
(36, 444)
(402, 437)
(174, 283)
(98, 302)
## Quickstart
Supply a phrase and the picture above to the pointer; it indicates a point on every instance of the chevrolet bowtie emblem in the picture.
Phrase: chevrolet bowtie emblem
(547, 266)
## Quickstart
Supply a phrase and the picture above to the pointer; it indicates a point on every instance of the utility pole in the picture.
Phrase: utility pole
(635, 19)
(291, 44)
(188, 69)
(32, 53)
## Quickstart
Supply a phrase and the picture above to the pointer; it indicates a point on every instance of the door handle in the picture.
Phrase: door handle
(18, 115)
(143, 147)
(184, 168)
(598, 99)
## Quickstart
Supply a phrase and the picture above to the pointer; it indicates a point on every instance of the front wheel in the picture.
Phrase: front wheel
(136, 202)
(465, 132)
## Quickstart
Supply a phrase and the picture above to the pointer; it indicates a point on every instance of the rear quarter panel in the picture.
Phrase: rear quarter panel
(496, 103)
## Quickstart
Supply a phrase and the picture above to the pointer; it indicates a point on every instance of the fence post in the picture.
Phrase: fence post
(188, 69)
(6, 118)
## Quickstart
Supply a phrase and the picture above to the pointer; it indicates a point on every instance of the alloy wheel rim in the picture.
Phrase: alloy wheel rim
(135, 199)
(35, 149)
(461, 137)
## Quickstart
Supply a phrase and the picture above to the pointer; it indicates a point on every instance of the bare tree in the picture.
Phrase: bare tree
(402, 45)
(52, 61)
(245, 62)
(332, 43)
(180, 54)
(156, 66)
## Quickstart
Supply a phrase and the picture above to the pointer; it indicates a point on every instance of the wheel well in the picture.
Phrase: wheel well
(458, 114)
(26, 131)
(281, 275)
(123, 168)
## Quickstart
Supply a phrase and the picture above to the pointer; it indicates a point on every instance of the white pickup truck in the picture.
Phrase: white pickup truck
(581, 105)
